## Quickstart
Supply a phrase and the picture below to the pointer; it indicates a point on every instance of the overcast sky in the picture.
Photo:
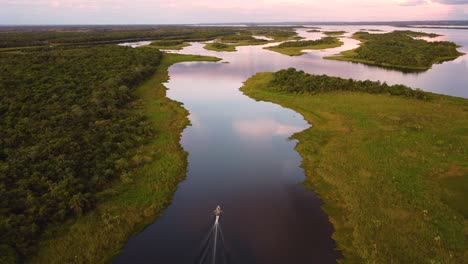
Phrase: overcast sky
(211, 11)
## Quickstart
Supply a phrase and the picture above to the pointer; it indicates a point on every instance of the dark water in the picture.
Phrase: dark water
(240, 158)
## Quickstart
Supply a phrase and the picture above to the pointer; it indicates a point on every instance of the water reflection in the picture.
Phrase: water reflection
(264, 128)
(240, 158)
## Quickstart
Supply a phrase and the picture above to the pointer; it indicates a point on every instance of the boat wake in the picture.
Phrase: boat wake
(212, 248)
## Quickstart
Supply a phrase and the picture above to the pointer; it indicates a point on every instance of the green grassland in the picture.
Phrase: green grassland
(399, 50)
(392, 170)
(139, 196)
(295, 48)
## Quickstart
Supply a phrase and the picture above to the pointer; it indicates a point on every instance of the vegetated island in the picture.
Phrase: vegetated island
(399, 50)
(246, 38)
(218, 46)
(313, 31)
(389, 162)
(295, 48)
(371, 29)
(334, 33)
(89, 150)
(168, 44)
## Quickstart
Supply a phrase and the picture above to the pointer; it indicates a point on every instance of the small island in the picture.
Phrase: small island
(334, 33)
(400, 50)
(218, 46)
(168, 44)
(295, 48)
(246, 38)
(389, 167)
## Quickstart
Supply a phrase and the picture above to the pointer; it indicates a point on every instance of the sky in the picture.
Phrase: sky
(225, 11)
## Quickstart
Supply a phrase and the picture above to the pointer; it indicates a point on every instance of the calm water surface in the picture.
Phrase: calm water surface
(240, 158)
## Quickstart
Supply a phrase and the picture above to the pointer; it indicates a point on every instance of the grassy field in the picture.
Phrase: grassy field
(298, 51)
(392, 171)
(216, 46)
(138, 198)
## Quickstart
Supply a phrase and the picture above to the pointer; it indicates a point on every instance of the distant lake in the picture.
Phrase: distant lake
(241, 159)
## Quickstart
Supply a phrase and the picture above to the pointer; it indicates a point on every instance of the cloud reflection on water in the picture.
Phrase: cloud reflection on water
(264, 127)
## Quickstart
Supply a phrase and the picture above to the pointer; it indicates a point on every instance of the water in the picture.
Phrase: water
(240, 158)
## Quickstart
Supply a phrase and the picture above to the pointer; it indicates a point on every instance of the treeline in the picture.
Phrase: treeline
(399, 48)
(167, 43)
(67, 128)
(246, 38)
(305, 43)
(293, 81)
(334, 33)
(44, 38)
(219, 45)
(98, 35)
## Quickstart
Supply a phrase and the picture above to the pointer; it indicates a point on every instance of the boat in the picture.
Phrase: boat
(217, 211)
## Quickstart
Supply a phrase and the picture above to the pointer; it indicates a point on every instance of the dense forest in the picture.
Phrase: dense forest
(44, 38)
(334, 33)
(293, 81)
(400, 49)
(167, 43)
(306, 43)
(241, 38)
(98, 35)
(67, 129)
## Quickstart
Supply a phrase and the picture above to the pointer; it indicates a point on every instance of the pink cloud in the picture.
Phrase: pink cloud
(189, 11)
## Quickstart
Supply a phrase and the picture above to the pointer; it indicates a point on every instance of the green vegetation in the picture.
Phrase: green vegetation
(292, 81)
(218, 46)
(168, 44)
(392, 170)
(277, 34)
(70, 128)
(116, 34)
(134, 201)
(370, 29)
(399, 50)
(64, 133)
(416, 33)
(242, 40)
(334, 33)
(295, 48)
(101, 36)
(313, 31)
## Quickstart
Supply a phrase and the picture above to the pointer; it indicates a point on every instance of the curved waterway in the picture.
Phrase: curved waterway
(241, 158)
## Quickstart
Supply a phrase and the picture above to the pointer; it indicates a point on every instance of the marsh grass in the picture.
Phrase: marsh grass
(392, 171)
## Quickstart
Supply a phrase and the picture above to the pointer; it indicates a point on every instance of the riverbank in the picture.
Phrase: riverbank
(392, 171)
(138, 197)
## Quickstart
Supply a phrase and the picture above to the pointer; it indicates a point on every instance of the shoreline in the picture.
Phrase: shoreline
(137, 199)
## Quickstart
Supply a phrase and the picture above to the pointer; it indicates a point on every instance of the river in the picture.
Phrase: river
(241, 158)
